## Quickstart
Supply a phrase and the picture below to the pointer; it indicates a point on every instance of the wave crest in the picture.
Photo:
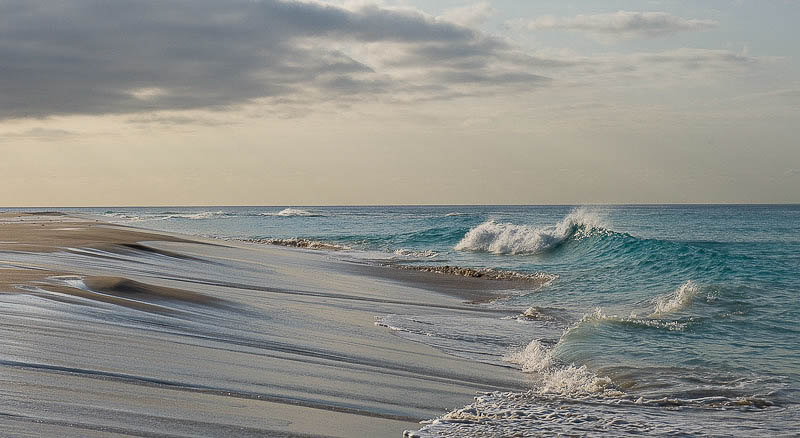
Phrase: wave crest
(555, 379)
(293, 212)
(676, 300)
(598, 316)
(507, 238)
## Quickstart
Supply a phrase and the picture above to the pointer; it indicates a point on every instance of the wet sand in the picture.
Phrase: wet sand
(109, 330)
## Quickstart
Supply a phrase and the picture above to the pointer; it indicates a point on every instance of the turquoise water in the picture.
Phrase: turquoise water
(688, 308)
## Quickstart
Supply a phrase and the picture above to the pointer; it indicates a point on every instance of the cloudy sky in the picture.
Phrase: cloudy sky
(221, 102)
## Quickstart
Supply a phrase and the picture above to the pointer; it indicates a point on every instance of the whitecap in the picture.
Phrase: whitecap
(293, 212)
(195, 216)
(676, 300)
(507, 238)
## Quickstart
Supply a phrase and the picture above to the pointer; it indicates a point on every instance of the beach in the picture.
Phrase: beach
(109, 330)
(416, 321)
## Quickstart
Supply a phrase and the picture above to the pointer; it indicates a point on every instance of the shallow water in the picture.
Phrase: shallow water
(677, 320)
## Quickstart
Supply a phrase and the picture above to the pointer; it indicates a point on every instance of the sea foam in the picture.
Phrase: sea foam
(507, 238)
(415, 254)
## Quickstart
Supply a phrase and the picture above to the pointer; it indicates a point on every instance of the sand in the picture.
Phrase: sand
(111, 330)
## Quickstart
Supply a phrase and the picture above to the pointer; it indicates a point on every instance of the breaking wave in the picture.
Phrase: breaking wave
(142, 217)
(599, 316)
(677, 300)
(507, 238)
(554, 378)
(293, 212)
(201, 215)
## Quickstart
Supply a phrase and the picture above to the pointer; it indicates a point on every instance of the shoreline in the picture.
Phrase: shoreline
(289, 331)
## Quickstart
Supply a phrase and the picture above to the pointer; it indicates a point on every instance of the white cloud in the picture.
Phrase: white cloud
(621, 24)
(471, 15)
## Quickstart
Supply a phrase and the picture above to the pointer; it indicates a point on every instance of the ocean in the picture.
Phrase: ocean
(649, 320)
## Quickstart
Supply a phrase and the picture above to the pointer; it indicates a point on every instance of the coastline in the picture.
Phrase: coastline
(151, 333)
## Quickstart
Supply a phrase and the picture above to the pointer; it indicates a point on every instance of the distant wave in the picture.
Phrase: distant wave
(301, 243)
(166, 215)
(541, 278)
(293, 212)
(507, 238)
(201, 215)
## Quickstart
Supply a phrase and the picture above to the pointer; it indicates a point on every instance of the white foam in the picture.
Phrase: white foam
(165, 216)
(292, 212)
(534, 313)
(553, 378)
(202, 215)
(599, 316)
(296, 242)
(507, 238)
(677, 300)
(428, 254)
(533, 358)
(572, 380)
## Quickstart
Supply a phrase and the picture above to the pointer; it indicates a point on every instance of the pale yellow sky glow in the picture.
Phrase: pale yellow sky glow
(486, 111)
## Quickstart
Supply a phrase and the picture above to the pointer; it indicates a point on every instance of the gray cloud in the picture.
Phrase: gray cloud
(694, 59)
(98, 57)
(621, 24)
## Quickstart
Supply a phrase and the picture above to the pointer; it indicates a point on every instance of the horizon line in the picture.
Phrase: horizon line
(611, 204)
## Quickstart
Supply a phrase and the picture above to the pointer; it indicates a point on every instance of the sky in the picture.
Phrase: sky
(221, 102)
